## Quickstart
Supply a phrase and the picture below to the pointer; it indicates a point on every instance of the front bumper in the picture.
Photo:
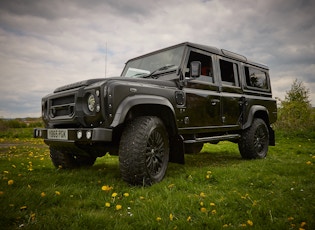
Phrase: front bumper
(79, 135)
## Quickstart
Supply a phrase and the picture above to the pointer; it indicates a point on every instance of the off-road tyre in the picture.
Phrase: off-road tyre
(254, 141)
(65, 160)
(144, 151)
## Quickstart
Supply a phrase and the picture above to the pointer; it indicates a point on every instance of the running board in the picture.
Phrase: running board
(214, 138)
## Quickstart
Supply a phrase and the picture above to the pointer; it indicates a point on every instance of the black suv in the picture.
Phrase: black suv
(164, 104)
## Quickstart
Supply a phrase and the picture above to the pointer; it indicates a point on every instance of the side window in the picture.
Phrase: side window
(206, 66)
(229, 73)
(256, 78)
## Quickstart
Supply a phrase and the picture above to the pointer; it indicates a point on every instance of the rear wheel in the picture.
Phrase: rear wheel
(144, 151)
(255, 140)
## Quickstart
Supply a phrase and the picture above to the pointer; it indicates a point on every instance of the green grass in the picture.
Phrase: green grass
(215, 189)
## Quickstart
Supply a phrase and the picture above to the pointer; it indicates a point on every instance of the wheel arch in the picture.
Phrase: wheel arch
(149, 105)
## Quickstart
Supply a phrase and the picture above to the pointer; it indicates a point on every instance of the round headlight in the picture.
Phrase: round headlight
(91, 102)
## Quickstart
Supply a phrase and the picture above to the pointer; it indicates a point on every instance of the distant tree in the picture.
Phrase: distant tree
(295, 110)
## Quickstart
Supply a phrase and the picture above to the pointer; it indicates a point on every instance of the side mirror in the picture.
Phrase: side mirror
(195, 69)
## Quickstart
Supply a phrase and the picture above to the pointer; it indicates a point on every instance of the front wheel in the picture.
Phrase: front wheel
(144, 151)
(255, 140)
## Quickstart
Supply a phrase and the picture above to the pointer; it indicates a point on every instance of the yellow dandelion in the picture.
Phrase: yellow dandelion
(209, 172)
(118, 207)
(225, 225)
(43, 194)
(107, 204)
(250, 223)
(171, 186)
(57, 193)
(202, 194)
(201, 203)
(106, 188)
(212, 204)
(29, 186)
(303, 224)
(23, 208)
(313, 157)
(214, 211)
(158, 219)
(308, 162)
(207, 176)
(126, 194)
(290, 218)
(171, 217)
(189, 219)
(114, 194)
(203, 209)
(6, 172)
(10, 182)
(33, 215)
(142, 198)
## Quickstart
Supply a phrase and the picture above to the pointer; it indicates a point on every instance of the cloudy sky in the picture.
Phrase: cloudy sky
(49, 43)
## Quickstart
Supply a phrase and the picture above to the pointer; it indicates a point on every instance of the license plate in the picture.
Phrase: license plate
(57, 134)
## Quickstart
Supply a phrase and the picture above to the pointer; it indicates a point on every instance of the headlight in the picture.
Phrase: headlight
(91, 102)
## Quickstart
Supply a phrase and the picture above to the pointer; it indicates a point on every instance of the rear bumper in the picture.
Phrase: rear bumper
(80, 135)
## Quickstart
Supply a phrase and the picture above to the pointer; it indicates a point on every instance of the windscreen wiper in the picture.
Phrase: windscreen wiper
(166, 67)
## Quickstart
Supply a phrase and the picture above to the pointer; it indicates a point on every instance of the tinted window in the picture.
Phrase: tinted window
(229, 73)
(206, 66)
(256, 78)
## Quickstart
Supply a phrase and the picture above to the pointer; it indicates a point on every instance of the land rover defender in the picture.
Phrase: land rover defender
(164, 104)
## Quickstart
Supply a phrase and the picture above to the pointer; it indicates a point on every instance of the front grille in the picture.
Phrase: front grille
(62, 106)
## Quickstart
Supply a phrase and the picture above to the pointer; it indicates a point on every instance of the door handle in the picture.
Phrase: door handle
(215, 101)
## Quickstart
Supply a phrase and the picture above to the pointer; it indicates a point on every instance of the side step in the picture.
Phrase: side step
(213, 139)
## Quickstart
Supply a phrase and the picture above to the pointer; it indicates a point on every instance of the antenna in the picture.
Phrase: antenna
(105, 59)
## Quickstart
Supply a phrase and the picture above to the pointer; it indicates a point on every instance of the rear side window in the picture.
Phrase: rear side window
(229, 73)
(256, 78)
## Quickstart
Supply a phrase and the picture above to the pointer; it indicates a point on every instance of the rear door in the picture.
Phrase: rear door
(231, 92)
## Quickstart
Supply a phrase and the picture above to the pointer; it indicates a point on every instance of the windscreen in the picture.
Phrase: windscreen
(150, 63)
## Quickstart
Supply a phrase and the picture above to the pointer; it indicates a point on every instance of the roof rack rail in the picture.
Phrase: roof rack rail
(234, 55)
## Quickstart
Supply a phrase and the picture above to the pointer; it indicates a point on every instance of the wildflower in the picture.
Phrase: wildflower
(225, 226)
(10, 182)
(171, 217)
(114, 194)
(43, 194)
(23, 208)
(203, 209)
(1, 193)
(309, 163)
(303, 224)
(250, 223)
(118, 207)
(202, 194)
(126, 194)
(29, 186)
(107, 204)
(141, 198)
(212, 204)
(6, 172)
(106, 188)
(189, 219)
(290, 218)
(171, 186)
(201, 203)
(57, 193)
(32, 216)
(158, 219)
(214, 211)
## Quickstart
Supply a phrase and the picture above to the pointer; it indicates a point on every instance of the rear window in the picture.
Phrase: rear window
(256, 78)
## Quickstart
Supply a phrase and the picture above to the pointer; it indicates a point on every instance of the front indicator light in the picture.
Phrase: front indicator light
(88, 134)
(79, 134)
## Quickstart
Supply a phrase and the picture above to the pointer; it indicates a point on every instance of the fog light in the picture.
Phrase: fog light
(88, 134)
(79, 134)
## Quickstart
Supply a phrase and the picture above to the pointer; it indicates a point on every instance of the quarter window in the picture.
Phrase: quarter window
(256, 78)
(229, 73)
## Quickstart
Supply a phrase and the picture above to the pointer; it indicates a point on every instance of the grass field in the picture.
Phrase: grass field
(215, 189)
